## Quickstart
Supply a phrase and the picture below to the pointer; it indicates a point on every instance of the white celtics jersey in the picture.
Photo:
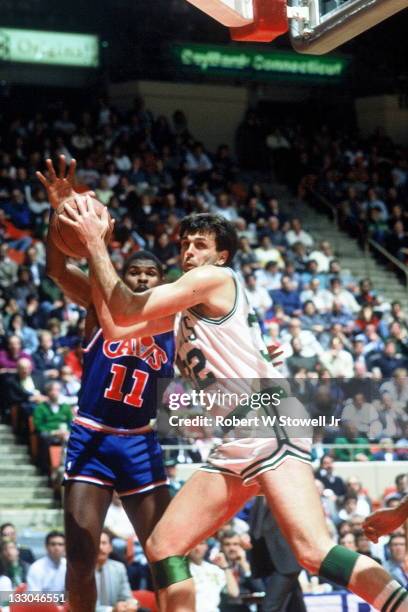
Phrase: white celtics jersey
(229, 347)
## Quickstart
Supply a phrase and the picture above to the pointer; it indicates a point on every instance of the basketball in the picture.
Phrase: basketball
(65, 236)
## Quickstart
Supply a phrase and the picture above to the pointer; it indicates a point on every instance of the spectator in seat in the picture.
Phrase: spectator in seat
(397, 241)
(287, 297)
(297, 361)
(349, 507)
(366, 317)
(348, 540)
(24, 286)
(311, 320)
(8, 267)
(389, 361)
(258, 296)
(345, 297)
(321, 298)
(5, 585)
(70, 386)
(33, 263)
(25, 387)
(14, 567)
(323, 256)
(362, 414)
(274, 232)
(269, 277)
(27, 335)
(330, 481)
(350, 435)
(396, 564)
(47, 574)
(236, 557)
(118, 523)
(112, 583)
(297, 234)
(268, 252)
(10, 356)
(210, 579)
(52, 420)
(45, 358)
(364, 545)
(8, 532)
(310, 346)
(337, 361)
(355, 486)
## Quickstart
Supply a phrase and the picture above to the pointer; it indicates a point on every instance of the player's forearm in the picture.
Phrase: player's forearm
(56, 260)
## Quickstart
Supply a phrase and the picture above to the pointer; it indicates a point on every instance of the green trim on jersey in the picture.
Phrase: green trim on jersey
(273, 459)
(225, 317)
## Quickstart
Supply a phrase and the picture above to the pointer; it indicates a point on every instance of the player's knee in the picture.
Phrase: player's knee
(158, 547)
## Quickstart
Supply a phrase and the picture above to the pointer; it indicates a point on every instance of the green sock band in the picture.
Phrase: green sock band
(170, 570)
(338, 565)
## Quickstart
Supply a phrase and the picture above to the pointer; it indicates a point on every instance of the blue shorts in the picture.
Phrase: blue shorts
(129, 464)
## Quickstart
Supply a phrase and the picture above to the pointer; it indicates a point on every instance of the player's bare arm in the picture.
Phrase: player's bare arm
(72, 281)
(111, 331)
(198, 286)
(386, 520)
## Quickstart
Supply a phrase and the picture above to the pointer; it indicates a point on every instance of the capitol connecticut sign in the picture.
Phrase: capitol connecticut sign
(249, 62)
(55, 48)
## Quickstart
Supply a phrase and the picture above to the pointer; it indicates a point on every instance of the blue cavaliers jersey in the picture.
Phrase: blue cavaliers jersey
(120, 379)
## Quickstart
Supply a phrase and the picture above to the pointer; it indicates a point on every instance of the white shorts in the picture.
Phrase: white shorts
(249, 457)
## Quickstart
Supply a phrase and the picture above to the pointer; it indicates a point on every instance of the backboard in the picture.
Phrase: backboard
(316, 26)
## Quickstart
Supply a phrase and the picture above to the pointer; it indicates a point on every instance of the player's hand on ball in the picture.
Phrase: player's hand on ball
(381, 522)
(58, 187)
(89, 227)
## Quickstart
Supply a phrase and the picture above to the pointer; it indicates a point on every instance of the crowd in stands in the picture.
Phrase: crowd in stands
(364, 179)
(345, 346)
(150, 172)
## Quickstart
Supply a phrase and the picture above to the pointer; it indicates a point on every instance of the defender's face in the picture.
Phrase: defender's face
(142, 275)
(200, 250)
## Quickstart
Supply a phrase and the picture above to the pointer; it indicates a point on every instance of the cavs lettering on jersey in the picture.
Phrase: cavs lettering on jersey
(119, 382)
(229, 347)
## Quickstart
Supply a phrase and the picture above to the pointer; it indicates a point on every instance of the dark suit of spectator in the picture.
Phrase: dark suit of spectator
(273, 560)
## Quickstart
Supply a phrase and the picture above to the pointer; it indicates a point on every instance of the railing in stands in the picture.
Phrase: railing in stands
(366, 240)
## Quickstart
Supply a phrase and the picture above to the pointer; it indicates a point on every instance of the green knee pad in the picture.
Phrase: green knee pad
(170, 570)
(338, 565)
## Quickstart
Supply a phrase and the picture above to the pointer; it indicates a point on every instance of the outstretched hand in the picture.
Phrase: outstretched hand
(62, 186)
(381, 522)
(90, 228)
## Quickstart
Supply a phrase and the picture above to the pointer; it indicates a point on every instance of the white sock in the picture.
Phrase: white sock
(393, 598)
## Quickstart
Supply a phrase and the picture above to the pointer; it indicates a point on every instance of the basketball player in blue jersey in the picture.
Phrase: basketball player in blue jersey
(215, 339)
(112, 445)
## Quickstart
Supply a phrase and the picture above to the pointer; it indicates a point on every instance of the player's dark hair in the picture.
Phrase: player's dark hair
(226, 237)
(143, 256)
(4, 525)
(53, 534)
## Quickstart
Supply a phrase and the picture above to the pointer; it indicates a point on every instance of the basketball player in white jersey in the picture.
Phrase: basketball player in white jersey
(215, 338)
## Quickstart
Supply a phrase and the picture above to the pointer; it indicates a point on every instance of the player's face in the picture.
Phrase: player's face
(142, 275)
(200, 250)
